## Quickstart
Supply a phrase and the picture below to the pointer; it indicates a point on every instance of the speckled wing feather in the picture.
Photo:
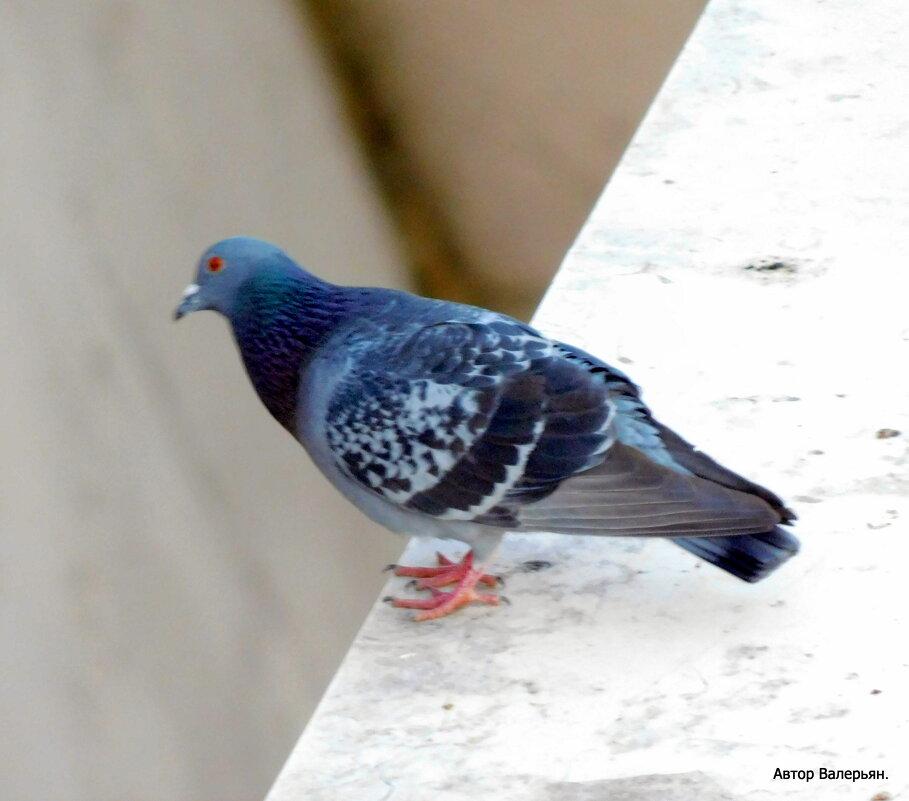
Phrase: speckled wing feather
(491, 423)
(462, 420)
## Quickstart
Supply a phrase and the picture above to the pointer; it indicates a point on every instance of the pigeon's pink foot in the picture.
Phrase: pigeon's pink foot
(446, 573)
(444, 603)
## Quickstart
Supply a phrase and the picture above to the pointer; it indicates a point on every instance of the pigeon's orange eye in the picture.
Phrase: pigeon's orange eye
(215, 264)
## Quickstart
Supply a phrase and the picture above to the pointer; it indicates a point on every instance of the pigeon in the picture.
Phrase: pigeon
(438, 419)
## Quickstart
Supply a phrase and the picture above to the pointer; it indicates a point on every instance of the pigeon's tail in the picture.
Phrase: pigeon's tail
(749, 557)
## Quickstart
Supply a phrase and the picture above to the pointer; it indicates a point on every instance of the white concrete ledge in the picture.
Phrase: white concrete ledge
(747, 266)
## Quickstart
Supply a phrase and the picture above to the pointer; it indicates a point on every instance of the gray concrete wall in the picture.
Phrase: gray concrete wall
(176, 581)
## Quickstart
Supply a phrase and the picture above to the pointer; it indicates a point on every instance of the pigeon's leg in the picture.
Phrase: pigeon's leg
(444, 603)
(446, 573)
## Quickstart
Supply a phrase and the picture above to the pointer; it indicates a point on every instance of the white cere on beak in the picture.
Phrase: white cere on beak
(190, 291)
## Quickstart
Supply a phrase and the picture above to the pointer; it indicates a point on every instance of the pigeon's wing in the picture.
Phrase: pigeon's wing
(750, 556)
(489, 422)
(629, 493)
(636, 426)
(458, 416)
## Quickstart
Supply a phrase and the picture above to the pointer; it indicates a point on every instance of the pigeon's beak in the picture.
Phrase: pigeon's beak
(191, 302)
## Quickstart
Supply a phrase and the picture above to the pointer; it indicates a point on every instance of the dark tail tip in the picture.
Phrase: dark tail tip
(749, 557)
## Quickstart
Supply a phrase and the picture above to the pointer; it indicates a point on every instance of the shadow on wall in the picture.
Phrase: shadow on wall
(494, 126)
(178, 582)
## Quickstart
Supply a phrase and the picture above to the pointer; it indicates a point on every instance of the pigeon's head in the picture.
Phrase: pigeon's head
(224, 268)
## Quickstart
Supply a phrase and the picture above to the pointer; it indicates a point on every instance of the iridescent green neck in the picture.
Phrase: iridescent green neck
(279, 320)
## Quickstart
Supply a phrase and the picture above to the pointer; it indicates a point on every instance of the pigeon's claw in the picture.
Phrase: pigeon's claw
(462, 574)
(444, 603)
(446, 573)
